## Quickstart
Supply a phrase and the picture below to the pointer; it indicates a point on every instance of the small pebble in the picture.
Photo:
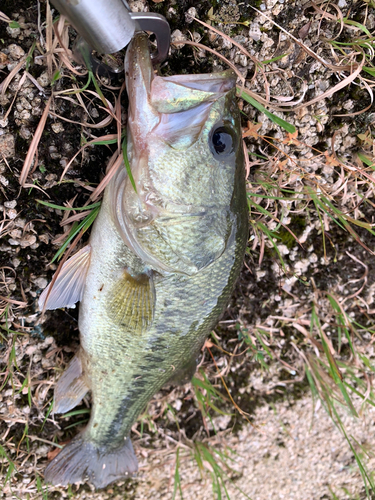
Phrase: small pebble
(57, 127)
(15, 51)
(41, 283)
(7, 145)
(12, 213)
(3, 122)
(3, 180)
(43, 79)
(25, 132)
(177, 36)
(138, 6)
(254, 31)
(13, 32)
(10, 204)
(190, 14)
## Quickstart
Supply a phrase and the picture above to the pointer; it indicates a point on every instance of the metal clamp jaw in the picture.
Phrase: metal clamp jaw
(157, 24)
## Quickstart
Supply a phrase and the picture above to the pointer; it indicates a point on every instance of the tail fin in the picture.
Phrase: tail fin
(80, 460)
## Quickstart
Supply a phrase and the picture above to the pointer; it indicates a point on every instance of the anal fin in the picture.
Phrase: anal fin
(133, 301)
(71, 388)
(70, 282)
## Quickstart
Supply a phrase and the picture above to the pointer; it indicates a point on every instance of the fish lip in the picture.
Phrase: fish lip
(152, 95)
(142, 117)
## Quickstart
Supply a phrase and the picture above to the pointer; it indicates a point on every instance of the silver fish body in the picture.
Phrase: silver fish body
(161, 262)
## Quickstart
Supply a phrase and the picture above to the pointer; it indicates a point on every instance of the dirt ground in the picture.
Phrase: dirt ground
(285, 444)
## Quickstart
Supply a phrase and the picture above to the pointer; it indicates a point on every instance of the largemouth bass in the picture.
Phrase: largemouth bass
(160, 265)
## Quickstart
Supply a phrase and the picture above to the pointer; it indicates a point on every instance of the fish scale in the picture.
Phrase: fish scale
(160, 265)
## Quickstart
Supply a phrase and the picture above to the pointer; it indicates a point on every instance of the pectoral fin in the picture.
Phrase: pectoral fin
(133, 301)
(70, 283)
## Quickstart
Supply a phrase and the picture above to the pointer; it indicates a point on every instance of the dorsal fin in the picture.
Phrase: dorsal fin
(70, 282)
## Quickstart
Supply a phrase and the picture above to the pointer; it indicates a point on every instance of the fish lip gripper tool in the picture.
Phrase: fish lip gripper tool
(107, 26)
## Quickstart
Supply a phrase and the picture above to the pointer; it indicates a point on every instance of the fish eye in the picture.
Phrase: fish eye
(223, 141)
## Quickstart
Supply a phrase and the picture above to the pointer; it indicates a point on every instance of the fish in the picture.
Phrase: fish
(160, 266)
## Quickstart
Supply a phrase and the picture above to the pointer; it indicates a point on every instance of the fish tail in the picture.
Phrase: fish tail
(81, 459)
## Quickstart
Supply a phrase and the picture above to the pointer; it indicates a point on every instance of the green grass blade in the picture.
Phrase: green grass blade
(333, 368)
(334, 497)
(271, 236)
(258, 336)
(47, 415)
(86, 54)
(358, 393)
(370, 71)
(81, 422)
(60, 207)
(365, 476)
(341, 317)
(76, 228)
(73, 413)
(107, 142)
(177, 479)
(357, 25)
(279, 121)
(11, 466)
(127, 164)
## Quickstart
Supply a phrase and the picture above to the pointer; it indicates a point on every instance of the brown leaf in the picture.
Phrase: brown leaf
(53, 453)
(304, 31)
(292, 138)
(331, 160)
(3, 58)
(252, 130)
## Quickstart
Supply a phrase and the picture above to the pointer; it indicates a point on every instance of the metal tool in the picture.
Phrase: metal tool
(157, 24)
(107, 26)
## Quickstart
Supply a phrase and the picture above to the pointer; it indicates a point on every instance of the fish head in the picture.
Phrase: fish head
(186, 158)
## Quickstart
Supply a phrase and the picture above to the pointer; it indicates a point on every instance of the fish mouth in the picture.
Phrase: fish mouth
(154, 99)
